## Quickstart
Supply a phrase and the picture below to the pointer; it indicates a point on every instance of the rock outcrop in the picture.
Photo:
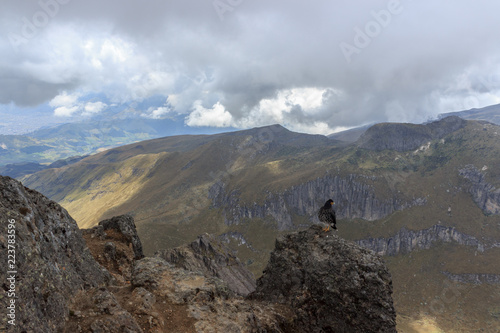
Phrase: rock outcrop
(485, 195)
(208, 255)
(406, 241)
(115, 245)
(50, 262)
(328, 284)
(126, 226)
(406, 137)
(353, 195)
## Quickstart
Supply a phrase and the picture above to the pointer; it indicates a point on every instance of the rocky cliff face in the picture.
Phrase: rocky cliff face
(353, 197)
(207, 254)
(486, 196)
(406, 241)
(406, 137)
(51, 262)
(474, 278)
(329, 284)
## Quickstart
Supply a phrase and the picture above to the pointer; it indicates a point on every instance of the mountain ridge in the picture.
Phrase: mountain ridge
(490, 114)
(406, 137)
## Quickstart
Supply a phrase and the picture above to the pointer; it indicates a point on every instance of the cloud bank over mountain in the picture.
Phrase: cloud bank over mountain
(313, 67)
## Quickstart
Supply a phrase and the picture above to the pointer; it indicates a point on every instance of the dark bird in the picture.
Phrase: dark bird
(326, 215)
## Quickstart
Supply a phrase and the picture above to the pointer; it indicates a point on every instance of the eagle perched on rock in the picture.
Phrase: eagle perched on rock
(326, 215)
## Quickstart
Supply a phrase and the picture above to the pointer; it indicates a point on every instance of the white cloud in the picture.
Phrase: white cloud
(64, 99)
(157, 113)
(217, 116)
(68, 105)
(173, 100)
(65, 105)
(92, 108)
(297, 108)
(308, 98)
(64, 111)
(146, 84)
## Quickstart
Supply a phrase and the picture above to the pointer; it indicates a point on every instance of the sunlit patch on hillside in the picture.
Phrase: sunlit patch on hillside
(426, 325)
(118, 184)
(274, 167)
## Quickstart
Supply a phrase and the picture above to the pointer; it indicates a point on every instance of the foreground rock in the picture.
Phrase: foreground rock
(208, 255)
(52, 261)
(115, 244)
(331, 284)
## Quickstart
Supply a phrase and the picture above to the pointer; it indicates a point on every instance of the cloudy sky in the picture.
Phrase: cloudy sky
(313, 66)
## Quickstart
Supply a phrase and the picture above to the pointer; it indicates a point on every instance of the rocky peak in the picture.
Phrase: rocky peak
(278, 134)
(208, 255)
(330, 284)
(406, 137)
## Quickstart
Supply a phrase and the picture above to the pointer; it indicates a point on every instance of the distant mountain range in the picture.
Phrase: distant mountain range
(489, 113)
(24, 154)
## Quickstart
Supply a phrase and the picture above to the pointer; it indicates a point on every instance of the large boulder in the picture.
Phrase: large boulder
(125, 224)
(52, 262)
(113, 250)
(331, 284)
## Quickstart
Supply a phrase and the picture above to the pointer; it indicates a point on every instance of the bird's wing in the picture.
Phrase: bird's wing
(333, 217)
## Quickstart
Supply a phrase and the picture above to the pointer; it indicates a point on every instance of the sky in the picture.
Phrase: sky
(317, 66)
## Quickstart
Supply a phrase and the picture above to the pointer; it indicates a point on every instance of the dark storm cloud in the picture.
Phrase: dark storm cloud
(254, 61)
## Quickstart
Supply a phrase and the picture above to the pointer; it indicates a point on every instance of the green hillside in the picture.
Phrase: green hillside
(250, 186)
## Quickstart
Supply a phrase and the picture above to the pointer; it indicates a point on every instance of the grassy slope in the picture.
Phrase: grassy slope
(165, 184)
(424, 296)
